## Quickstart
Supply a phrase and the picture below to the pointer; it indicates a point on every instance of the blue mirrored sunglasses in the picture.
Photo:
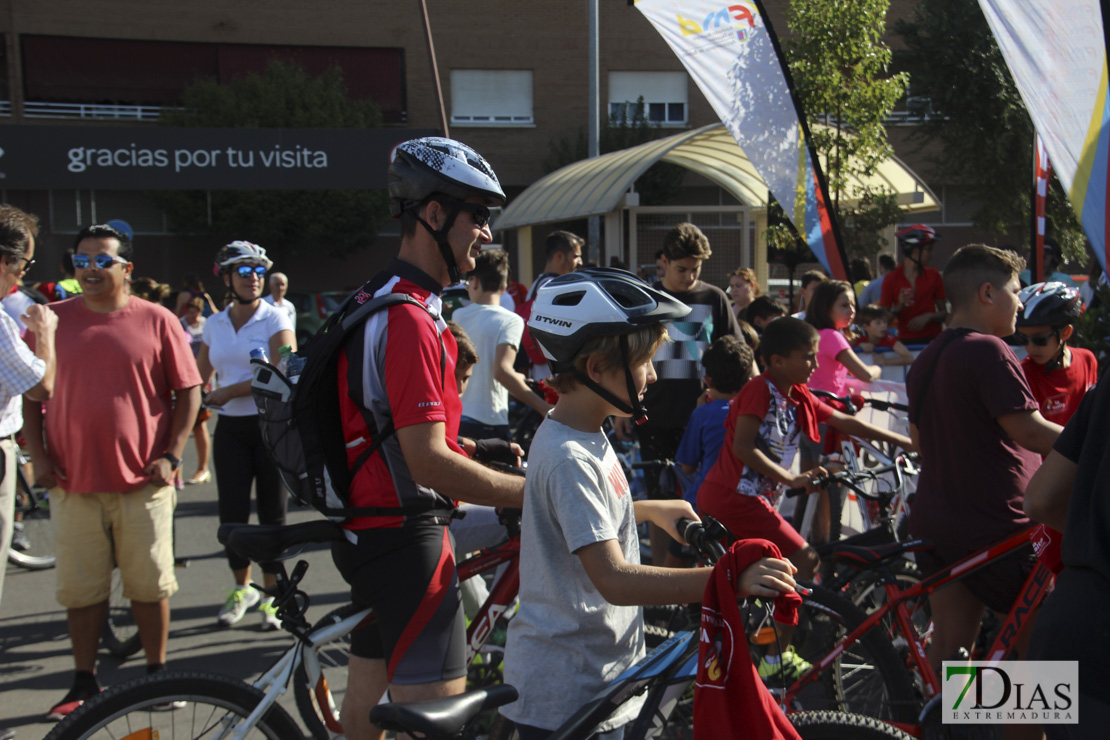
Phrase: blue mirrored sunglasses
(245, 271)
(103, 261)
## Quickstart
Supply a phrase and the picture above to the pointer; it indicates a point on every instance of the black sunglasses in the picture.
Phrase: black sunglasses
(477, 211)
(102, 261)
(1041, 340)
(245, 271)
(27, 265)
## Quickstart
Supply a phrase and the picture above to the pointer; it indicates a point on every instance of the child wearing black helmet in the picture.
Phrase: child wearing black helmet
(581, 582)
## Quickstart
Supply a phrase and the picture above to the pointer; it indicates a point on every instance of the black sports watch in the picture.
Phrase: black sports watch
(174, 461)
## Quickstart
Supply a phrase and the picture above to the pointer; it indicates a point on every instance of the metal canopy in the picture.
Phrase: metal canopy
(596, 186)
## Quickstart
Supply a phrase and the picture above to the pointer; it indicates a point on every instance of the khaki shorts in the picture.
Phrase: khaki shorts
(94, 532)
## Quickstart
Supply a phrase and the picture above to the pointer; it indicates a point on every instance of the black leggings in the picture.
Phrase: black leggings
(240, 459)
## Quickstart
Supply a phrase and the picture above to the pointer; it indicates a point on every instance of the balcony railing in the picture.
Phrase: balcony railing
(88, 111)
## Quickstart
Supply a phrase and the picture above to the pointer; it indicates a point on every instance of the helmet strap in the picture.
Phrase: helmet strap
(636, 409)
(1058, 358)
(440, 236)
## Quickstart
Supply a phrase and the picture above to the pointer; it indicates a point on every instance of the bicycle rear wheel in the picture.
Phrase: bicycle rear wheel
(120, 635)
(214, 706)
(841, 726)
(34, 507)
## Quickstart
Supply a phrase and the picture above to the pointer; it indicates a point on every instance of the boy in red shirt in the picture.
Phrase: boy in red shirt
(1058, 375)
(915, 292)
(875, 320)
(765, 422)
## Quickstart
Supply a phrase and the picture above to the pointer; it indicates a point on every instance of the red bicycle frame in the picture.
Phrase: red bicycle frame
(504, 592)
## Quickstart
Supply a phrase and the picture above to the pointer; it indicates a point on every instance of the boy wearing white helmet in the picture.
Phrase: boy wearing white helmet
(397, 388)
(581, 582)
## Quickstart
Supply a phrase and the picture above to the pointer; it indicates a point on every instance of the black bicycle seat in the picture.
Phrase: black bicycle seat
(267, 542)
(441, 717)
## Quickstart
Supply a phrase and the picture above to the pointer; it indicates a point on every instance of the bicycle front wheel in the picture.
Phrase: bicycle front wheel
(841, 726)
(214, 706)
(36, 551)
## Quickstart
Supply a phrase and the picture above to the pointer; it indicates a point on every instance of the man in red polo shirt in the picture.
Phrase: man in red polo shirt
(914, 291)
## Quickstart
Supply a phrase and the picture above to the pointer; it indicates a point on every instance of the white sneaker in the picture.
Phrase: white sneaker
(268, 612)
(239, 599)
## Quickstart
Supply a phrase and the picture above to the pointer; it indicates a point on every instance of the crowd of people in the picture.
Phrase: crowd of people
(720, 382)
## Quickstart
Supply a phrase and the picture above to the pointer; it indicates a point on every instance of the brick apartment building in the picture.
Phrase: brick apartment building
(513, 74)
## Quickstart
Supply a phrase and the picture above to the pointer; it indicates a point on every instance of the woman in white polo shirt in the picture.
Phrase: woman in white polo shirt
(238, 453)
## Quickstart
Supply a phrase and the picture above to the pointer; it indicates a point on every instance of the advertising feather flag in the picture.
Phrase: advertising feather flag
(732, 54)
(1056, 52)
(1042, 176)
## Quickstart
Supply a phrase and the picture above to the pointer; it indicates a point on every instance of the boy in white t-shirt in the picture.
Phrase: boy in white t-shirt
(496, 333)
(581, 583)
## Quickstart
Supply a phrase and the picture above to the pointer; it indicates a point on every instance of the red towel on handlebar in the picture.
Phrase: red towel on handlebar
(729, 699)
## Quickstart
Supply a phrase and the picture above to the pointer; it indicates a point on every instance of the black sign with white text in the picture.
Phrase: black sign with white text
(153, 158)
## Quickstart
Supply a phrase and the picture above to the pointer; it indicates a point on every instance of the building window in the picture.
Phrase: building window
(663, 94)
(491, 97)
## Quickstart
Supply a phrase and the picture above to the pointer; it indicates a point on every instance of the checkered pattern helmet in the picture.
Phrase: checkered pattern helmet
(1049, 304)
(423, 167)
(572, 309)
(240, 252)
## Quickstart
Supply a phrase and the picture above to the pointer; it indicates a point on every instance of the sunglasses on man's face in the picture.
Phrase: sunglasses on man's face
(102, 261)
(1041, 340)
(478, 212)
(245, 271)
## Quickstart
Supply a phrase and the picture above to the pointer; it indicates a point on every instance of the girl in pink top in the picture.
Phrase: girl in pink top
(831, 311)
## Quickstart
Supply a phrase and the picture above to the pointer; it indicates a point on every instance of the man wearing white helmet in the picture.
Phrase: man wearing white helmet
(397, 389)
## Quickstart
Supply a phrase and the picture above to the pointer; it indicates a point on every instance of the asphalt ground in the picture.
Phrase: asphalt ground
(36, 665)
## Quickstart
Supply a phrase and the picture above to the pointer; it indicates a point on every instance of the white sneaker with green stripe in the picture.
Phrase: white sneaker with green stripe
(239, 599)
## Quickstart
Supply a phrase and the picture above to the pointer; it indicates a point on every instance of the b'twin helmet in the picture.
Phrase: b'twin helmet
(240, 252)
(422, 167)
(572, 309)
(1049, 304)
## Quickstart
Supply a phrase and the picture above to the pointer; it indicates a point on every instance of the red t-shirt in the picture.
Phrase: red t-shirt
(888, 340)
(397, 369)
(112, 410)
(1060, 391)
(928, 288)
(784, 416)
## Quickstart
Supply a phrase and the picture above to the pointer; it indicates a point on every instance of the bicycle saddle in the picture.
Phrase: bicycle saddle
(265, 543)
(441, 717)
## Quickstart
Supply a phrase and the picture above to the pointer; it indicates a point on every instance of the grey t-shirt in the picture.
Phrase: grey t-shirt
(567, 642)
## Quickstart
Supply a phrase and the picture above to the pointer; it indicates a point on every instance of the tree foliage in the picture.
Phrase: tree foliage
(283, 96)
(978, 120)
(657, 185)
(841, 71)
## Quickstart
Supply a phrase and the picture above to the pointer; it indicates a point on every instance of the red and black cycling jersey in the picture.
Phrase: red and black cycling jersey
(400, 368)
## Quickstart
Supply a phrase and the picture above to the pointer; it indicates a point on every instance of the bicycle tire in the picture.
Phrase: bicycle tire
(215, 701)
(120, 635)
(868, 678)
(319, 705)
(35, 512)
(841, 726)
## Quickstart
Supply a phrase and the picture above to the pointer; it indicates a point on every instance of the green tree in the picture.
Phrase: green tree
(977, 122)
(283, 96)
(841, 71)
(657, 185)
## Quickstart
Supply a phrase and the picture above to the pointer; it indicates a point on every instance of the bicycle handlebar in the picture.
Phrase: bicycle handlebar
(850, 479)
(854, 403)
(704, 537)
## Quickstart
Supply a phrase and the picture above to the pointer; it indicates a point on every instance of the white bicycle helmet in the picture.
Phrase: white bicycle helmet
(239, 252)
(423, 167)
(572, 309)
(1049, 304)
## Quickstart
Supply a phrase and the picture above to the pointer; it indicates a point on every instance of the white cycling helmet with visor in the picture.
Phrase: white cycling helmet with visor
(572, 309)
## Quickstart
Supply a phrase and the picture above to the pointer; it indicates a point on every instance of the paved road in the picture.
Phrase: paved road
(35, 661)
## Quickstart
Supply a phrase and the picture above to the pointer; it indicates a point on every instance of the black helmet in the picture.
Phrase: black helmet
(422, 167)
(916, 235)
(572, 309)
(1049, 304)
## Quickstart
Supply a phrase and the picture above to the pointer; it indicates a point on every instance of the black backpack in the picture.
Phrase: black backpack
(300, 421)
